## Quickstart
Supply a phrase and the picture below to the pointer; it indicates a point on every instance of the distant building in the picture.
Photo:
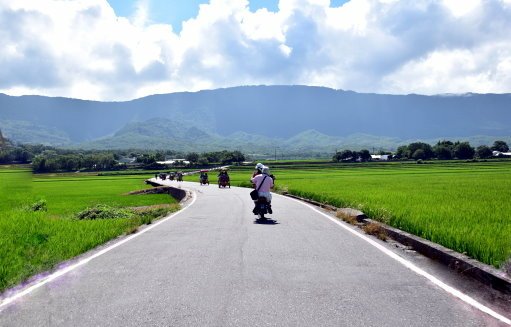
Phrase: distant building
(381, 157)
(174, 162)
(127, 160)
(501, 154)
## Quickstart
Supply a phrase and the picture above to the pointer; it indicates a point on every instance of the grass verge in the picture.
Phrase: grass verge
(463, 206)
(40, 218)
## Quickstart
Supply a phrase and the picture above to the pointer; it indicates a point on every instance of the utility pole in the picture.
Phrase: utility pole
(2, 141)
(275, 154)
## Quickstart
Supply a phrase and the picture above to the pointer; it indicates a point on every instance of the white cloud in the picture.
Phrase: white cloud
(461, 8)
(456, 71)
(79, 48)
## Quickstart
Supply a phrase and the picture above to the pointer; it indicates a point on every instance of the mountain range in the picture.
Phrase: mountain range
(294, 119)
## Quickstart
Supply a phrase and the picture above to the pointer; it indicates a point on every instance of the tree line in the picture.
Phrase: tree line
(22, 154)
(50, 159)
(443, 150)
(446, 150)
(351, 156)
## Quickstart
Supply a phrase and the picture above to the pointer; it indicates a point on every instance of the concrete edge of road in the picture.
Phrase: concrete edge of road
(461, 263)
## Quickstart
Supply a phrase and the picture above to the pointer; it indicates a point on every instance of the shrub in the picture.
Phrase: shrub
(102, 211)
(147, 216)
(346, 217)
(376, 230)
(39, 205)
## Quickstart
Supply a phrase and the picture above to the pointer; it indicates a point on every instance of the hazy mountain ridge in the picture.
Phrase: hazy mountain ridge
(163, 134)
(30, 132)
(292, 117)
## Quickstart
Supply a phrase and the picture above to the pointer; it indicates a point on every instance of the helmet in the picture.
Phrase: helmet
(259, 166)
(266, 170)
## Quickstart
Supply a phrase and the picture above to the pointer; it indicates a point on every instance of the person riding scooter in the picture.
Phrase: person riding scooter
(203, 179)
(263, 183)
(258, 169)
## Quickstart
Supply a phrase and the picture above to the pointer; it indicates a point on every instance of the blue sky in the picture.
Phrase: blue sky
(174, 12)
(142, 47)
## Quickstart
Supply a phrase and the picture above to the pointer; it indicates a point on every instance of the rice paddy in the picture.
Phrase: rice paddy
(464, 206)
(35, 241)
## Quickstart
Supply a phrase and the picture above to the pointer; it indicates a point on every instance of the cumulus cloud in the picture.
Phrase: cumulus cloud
(80, 48)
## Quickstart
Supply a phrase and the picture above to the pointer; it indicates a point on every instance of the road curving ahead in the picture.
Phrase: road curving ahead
(213, 264)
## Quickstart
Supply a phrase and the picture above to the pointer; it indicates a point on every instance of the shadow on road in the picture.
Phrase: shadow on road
(265, 221)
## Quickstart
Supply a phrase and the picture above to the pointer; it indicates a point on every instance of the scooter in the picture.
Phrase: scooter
(263, 207)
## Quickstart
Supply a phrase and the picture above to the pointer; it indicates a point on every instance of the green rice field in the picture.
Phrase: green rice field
(35, 241)
(462, 205)
(465, 206)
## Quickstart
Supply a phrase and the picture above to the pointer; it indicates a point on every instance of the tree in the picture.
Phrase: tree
(344, 155)
(463, 150)
(426, 148)
(364, 155)
(39, 164)
(238, 156)
(21, 155)
(6, 156)
(444, 150)
(212, 156)
(159, 156)
(402, 152)
(347, 155)
(230, 157)
(336, 157)
(500, 146)
(419, 154)
(203, 161)
(484, 152)
(193, 157)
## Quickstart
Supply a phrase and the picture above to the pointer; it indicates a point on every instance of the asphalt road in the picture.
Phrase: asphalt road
(213, 265)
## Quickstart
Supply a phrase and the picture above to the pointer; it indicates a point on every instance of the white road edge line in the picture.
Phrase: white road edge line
(82, 262)
(414, 268)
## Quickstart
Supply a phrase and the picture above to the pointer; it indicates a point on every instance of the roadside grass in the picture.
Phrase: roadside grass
(35, 241)
(65, 195)
(375, 230)
(463, 206)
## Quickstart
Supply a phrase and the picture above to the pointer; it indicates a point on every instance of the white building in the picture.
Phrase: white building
(173, 162)
(501, 154)
(380, 157)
